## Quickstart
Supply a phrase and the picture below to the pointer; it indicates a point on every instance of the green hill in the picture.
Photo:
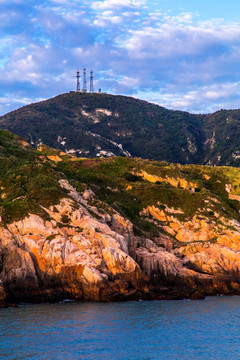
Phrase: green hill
(102, 125)
(92, 125)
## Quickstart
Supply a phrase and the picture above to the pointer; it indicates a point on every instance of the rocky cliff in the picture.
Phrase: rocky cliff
(82, 253)
(72, 254)
(114, 229)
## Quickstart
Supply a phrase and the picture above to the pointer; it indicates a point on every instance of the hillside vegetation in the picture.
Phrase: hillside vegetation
(29, 180)
(115, 228)
(102, 125)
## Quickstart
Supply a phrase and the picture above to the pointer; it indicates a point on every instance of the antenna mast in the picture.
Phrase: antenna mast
(84, 81)
(91, 82)
(78, 81)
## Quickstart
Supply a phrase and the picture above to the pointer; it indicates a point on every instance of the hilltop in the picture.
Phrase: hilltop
(89, 125)
(114, 228)
(102, 125)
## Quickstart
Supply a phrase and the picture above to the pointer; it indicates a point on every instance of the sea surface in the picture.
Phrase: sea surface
(203, 329)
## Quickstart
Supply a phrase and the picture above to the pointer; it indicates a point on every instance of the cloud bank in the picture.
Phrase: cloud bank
(179, 62)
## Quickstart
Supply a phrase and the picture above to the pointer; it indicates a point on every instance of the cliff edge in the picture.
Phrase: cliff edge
(114, 229)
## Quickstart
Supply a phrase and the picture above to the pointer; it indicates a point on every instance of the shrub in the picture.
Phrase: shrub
(65, 219)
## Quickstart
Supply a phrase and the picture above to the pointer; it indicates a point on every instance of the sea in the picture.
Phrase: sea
(143, 330)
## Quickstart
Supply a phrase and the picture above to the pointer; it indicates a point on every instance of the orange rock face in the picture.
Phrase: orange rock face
(207, 260)
(84, 254)
(81, 257)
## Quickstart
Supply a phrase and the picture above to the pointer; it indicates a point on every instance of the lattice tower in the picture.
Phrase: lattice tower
(91, 82)
(78, 81)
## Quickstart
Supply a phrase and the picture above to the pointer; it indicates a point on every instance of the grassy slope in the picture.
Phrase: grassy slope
(26, 180)
(29, 179)
(110, 178)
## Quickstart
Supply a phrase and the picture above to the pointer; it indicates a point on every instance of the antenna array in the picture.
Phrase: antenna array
(84, 81)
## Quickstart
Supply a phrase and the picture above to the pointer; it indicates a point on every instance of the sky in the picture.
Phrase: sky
(182, 55)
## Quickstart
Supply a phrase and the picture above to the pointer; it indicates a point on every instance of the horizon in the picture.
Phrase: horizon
(179, 56)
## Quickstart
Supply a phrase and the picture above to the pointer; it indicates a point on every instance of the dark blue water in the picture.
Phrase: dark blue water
(204, 329)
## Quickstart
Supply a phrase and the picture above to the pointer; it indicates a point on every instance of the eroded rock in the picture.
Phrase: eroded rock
(83, 253)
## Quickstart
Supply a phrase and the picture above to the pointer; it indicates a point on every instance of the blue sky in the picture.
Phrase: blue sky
(180, 54)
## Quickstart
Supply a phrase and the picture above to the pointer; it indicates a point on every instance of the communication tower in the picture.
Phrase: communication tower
(91, 82)
(78, 81)
(84, 81)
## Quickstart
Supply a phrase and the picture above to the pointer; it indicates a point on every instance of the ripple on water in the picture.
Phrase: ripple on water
(205, 329)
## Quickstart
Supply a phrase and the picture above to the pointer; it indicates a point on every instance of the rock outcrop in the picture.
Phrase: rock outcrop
(206, 257)
(79, 252)
(71, 254)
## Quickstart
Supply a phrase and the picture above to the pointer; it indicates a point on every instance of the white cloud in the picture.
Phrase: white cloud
(213, 97)
(126, 81)
(170, 38)
(116, 4)
(104, 20)
(173, 60)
